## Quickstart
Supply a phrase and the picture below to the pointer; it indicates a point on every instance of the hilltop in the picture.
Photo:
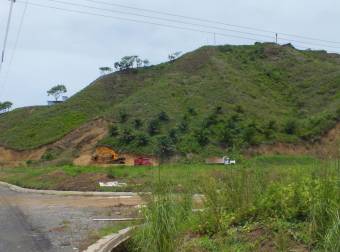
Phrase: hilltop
(204, 102)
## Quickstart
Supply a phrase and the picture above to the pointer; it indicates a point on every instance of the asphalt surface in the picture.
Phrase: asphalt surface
(48, 223)
(16, 233)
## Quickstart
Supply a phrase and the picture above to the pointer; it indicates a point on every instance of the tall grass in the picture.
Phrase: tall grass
(296, 205)
(165, 218)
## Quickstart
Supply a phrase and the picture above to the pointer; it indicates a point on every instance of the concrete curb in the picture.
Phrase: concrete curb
(110, 242)
(67, 193)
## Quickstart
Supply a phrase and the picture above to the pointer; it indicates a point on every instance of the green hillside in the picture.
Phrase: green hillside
(210, 99)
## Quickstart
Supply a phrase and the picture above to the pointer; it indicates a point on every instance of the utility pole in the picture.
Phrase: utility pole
(276, 38)
(7, 32)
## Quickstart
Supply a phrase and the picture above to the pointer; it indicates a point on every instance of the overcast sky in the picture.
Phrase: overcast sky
(57, 47)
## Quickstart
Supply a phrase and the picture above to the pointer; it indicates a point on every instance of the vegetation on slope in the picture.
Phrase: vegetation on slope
(210, 99)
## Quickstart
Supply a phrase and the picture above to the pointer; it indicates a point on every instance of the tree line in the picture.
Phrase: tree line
(133, 62)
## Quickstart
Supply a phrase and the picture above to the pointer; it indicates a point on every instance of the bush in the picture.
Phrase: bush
(162, 116)
(142, 140)
(192, 111)
(290, 127)
(123, 117)
(202, 137)
(183, 126)
(126, 136)
(137, 123)
(164, 147)
(249, 134)
(154, 127)
(114, 131)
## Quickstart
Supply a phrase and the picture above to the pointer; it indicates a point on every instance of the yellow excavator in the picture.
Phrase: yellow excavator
(106, 155)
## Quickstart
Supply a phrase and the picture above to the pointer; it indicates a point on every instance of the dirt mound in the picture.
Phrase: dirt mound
(78, 144)
(327, 147)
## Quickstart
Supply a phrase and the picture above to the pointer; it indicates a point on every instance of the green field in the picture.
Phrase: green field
(273, 204)
(267, 203)
(212, 99)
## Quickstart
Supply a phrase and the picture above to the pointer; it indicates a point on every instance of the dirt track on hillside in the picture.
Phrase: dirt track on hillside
(80, 141)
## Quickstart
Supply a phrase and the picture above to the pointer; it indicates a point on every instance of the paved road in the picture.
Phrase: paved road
(35, 223)
(17, 234)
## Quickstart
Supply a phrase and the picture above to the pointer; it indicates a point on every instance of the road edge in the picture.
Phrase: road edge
(67, 193)
(110, 242)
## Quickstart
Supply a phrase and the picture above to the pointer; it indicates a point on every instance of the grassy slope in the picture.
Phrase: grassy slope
(268, 81)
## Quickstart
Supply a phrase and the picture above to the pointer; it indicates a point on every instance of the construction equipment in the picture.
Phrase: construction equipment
(106, 155)
(224, 160)
(142, 161)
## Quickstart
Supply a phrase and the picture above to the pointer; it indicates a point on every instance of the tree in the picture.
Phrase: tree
(249, 134)
(146, 62)
(126, 136)
(153, 127)
(142, 140)
(6, 106)
(165, 147)
(57, 91)
(105, 70)
(139, 62)
(173, 56)
(202, 137)
(126, 63)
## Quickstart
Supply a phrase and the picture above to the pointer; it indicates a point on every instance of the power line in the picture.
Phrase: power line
(210, 21)
(159, 18)
(166, 25)
(6, 33)
(138, 21)
(22, 18)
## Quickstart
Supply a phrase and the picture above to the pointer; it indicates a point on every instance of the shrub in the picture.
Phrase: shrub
(164, 147)
(290, 127)
(114, 131)
(337, 114)
(142, 140)
(162, 116)
(173, 135)
(126, 136)
(183, 126)
(202, 137)
(137, 123)
(192, 111)
(154, 127)
(249, 134)
(123, 117)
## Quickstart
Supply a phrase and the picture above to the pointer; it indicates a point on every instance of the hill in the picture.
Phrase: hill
(207, 100)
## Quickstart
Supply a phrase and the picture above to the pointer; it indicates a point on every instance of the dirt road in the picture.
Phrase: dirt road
(34, 223)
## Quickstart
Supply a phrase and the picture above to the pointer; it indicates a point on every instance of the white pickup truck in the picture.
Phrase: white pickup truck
(225, 160)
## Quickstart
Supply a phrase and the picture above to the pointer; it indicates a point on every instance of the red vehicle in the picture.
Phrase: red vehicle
(143, 162)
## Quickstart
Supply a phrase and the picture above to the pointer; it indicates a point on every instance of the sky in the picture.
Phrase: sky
(58, 47)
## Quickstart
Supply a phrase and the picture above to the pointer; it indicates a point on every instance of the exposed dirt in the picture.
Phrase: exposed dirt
(83, 182)
(327, 147)
(77, 146)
